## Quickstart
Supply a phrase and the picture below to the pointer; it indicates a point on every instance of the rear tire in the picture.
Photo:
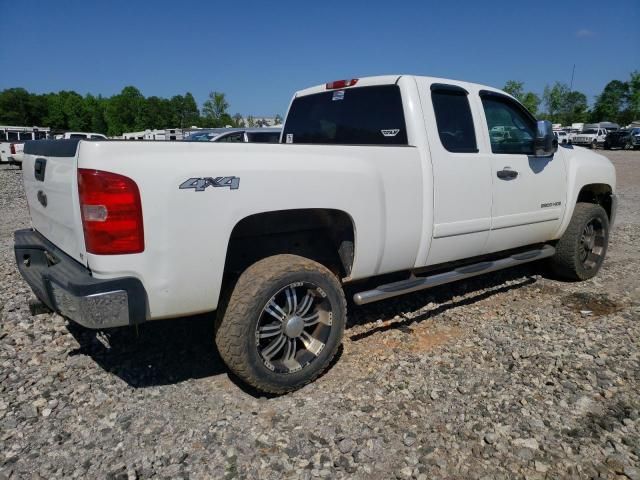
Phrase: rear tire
(283, 323)
(581, 250)
(594, 145)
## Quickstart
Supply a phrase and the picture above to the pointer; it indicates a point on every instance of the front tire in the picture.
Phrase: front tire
(594, 145)
(283, 323)
(581, 250)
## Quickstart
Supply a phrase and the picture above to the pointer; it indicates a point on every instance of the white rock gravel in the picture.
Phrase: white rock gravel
(498, 377)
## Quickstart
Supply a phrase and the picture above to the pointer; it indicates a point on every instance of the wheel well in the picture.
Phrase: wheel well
(324, 235)
(599, 193)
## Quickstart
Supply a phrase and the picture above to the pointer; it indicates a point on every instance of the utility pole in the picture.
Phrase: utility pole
(573, 72)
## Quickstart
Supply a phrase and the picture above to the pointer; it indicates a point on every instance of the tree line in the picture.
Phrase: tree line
(619, 102)
(130, 110)
(127, 111)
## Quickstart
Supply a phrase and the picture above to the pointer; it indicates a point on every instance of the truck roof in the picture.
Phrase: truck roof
(391, 79)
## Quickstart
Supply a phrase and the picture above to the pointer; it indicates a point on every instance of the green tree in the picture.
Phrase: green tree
(554, 98)
(184, 111)
(529, 99)
(95, 107)
(251, 121)
(277, 119)
(75, 112)
(514, 88)
(633, 99)
(15, 107)
(124, 112)
(575, 108)
(55, 117)
(611, 102)
(215, 107)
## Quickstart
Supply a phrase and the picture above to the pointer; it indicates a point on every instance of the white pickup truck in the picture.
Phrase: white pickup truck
(591, 137)
(395, 179)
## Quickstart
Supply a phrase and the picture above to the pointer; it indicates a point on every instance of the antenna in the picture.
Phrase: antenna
(573, 72)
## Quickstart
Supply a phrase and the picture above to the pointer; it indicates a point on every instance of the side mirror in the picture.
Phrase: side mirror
(546, 143)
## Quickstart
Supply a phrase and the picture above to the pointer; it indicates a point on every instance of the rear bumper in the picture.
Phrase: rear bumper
(68, 288)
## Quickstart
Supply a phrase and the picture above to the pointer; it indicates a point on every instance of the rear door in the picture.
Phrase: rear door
(529, 192)
(461, 174)
(51, 187)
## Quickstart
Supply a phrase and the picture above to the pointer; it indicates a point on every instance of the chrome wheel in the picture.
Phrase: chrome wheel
(592, 243)
(293, 327)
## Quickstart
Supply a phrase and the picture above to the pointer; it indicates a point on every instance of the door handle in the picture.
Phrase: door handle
(507, 174)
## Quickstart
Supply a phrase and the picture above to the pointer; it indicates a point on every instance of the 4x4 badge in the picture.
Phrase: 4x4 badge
(201, 183)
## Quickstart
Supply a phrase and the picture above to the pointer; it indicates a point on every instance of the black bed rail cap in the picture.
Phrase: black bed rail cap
(52, 148)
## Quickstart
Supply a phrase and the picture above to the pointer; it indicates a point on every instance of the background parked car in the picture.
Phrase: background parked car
(626, 138)
(84, 135)
(590, 137)
(255, 135)
(563, 137)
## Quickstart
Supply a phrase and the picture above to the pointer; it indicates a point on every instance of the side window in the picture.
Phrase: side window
(453, 116)
(511, 130)
(233, 138)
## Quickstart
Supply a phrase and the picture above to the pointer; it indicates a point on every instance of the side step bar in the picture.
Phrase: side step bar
(420, 283)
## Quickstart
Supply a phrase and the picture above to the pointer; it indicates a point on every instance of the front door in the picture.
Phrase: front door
(528, 192)
(461, 174)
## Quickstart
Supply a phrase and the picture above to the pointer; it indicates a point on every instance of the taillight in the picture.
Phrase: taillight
(13, 148)
(341, 84)
(111, 213)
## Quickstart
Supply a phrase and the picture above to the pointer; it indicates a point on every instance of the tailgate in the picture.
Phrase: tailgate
(51, 186)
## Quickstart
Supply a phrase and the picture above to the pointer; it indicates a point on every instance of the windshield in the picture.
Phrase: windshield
(590, 131)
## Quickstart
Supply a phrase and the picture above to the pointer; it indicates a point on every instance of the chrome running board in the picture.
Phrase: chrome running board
(420, 283)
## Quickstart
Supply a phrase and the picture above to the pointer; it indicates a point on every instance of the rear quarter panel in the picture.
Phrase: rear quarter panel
(187, 232)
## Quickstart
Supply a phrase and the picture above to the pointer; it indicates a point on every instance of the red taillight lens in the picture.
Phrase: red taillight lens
(341, 84)
(13, 148)
(111, 213)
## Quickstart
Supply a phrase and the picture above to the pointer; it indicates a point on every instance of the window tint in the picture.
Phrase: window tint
(26, 136)
(79, 135)
(97, 137)
(12, 136)
(455, 124)
(356, 116)
(511, 130)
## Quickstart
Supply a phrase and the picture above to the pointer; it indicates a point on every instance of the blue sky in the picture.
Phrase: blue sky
(259, 53)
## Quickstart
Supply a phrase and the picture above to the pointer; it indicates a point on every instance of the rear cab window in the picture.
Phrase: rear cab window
(354, 116)
(453, 118)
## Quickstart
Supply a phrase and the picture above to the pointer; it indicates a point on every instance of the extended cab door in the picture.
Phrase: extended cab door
(461, 174)
(529, 192)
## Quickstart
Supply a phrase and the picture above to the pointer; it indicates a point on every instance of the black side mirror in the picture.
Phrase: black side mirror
(546, 143)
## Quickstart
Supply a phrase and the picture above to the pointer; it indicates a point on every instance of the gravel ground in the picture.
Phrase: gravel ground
(511, 375)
